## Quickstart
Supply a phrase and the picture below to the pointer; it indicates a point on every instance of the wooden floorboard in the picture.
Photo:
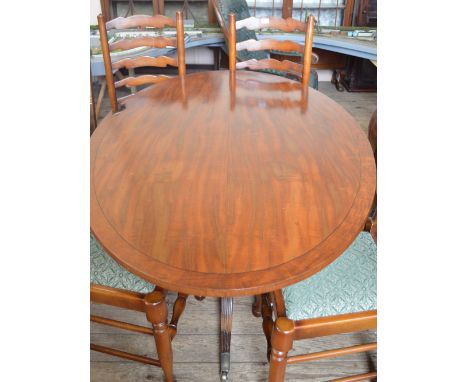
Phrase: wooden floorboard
(196, 345)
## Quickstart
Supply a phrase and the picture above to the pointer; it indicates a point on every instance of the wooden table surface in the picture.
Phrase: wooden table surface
(215, 187)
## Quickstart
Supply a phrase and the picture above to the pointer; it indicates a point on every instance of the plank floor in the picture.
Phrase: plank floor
(196, 345)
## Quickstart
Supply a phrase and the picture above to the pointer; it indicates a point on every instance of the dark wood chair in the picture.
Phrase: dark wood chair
(299, 71)
(308, 310)
(115, 286)
(140, 21)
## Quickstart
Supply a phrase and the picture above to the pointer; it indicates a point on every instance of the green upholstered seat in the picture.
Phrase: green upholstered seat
(107, 272)
(241, 10)
(348, 285)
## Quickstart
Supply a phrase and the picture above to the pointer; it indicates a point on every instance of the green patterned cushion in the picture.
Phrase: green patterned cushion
(348, 285)
(106, 271)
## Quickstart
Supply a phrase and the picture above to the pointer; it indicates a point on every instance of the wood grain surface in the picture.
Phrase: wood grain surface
(199, 194)
(284, 24)
(153, 42)
(269, 44)
(156, 21)
(160, 62)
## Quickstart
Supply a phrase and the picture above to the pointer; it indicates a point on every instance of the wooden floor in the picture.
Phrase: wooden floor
(196, 344)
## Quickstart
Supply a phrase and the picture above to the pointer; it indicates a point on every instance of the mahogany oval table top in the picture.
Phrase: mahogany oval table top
(219, 187)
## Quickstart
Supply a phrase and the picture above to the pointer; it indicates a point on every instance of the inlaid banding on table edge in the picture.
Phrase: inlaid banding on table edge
(252, 151)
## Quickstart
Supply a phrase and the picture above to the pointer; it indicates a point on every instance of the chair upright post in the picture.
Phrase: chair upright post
(232, 42)
(309, 35)
(107, 63)
(156, 313)
(180, 43)
(281, 343)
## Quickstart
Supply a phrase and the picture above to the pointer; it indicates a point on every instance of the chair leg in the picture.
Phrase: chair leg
(257, 306)
(177, 310)
(156, 313)
(267, 323)
(281, 341)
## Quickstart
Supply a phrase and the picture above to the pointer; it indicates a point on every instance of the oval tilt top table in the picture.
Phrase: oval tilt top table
(224, 186)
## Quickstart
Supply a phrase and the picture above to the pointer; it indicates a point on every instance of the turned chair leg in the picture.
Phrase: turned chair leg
(177, 310)
(281, 342)
(267, 323)
(257, 306)
(156, 313)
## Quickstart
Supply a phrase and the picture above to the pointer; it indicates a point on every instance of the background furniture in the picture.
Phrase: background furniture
(367, 13)
(141, 21)
(224, 188)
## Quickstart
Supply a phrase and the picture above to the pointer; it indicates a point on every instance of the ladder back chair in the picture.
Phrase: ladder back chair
(342, 298)
(222, 9)
(140, 21)
(113, 285)
(300, 71)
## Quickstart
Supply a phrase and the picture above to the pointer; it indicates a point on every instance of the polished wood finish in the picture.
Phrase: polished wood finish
(300, 71)
(123, 354)
(121, 325)
(308, 51)
(107, 63)
(270, 63)
(178, 309)
(154, 305)
(152, 42)
(269, 44)
(139, 21)
(343, 323)
(180, 43)
(356, 378)
(159, 62)
(331, 353)
(286, 25)
(257, 306)
(224, 201)
(156, 313)
(117, 297)
(281, 342)
(142, 21)
(141, 80)
(232, 42)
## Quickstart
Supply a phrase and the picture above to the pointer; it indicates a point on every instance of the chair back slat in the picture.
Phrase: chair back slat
(158, 62)
(141, 80)
(268, 44)
(140, 21)
(285, 25)
(271, 63)
(152, 42)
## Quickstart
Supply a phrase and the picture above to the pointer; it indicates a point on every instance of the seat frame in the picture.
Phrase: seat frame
(154, 305)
